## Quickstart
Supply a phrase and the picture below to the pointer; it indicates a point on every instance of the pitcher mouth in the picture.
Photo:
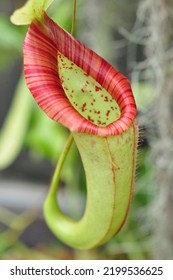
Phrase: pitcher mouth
(43, 76)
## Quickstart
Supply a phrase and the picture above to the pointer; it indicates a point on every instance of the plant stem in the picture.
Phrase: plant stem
(74, 17)
(56, 175)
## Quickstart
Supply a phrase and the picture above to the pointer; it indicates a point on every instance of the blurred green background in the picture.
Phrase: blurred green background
(136, 37)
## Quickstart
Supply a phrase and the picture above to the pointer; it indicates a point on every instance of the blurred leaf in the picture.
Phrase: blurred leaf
(11, 37)
(61, 13)
(17, 226)
(45, 136)
(6, 58)
(144, 93)
(16, 123)
(11, 41)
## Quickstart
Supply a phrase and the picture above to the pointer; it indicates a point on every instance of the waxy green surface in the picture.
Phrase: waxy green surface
(109, 165)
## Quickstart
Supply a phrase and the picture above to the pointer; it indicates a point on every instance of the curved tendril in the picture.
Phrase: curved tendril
(57, 172)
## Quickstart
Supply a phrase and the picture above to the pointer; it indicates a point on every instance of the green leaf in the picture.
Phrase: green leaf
(15, 125)
(33, 9)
